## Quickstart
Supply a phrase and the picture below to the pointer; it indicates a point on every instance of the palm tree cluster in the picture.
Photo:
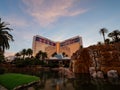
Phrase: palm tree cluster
(115, 35)
(25, 58)
(63, 53)
(41, 55)
(25, 52)
(28, 53)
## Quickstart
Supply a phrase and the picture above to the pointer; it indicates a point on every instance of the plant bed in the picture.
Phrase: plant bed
(12, 80)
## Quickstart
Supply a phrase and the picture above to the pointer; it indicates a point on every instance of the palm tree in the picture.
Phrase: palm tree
(103, 31)
(115, 35)
(39, 55)
(5, 36)
(54, 54)
(44, 55)
(63, 54)
(99, 43)
(1, 57)
(23, 52)
(29, 52)
(107, 41)
(17, 54)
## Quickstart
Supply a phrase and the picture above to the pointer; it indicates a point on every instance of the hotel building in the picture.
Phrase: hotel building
(68, 46)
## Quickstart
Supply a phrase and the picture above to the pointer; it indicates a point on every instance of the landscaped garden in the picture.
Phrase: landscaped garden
(12, 80)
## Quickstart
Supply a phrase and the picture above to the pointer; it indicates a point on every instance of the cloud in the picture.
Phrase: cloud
(58, 37)
(17, 21)
(48, 11)
(9, 54)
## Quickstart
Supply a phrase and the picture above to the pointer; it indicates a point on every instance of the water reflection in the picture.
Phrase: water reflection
(52, 80)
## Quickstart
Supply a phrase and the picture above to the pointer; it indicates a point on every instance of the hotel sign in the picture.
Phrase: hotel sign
(46, 41)
(70, 41)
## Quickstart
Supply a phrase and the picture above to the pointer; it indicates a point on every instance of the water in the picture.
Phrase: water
(52, 80)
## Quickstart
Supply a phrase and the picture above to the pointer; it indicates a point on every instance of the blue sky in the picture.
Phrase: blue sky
(58, 20)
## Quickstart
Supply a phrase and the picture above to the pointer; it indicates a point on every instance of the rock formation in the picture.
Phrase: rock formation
(103, 57)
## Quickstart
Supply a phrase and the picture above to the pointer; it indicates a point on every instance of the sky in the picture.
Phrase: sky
(58, 20)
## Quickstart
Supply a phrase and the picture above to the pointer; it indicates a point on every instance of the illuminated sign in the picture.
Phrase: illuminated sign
(42, 40)
(70, 41)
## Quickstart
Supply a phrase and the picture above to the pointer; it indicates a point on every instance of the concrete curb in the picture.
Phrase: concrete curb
(25, 85)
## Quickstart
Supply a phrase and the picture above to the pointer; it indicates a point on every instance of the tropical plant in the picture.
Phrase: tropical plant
(2, 70)
(44, 55)
(66, 55)
(54, 54)
(107, 41)
(29, 52)
(5, 36)
(23, 52)
(99, 43)
(63, 54)
(1, 57)
(81, 46)
(39, 55)
(17, 55)
(115, 35)
(19, 62)
(103, 31)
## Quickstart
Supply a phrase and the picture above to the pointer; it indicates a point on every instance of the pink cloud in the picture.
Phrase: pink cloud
(17, 21)
(9, 54)
(46, 11)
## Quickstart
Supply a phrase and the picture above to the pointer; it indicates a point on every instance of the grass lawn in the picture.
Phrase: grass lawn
(12, 80)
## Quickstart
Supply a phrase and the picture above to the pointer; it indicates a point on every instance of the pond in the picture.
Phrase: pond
(53, 80)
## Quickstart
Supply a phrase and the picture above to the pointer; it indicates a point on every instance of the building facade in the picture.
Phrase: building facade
(68, 46)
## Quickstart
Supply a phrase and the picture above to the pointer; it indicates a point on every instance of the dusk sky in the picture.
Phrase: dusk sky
(58, 20)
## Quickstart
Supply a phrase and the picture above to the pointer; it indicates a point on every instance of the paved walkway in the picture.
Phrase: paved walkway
(2, 88)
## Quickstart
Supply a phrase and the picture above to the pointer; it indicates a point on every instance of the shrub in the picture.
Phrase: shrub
(19, 62)
(1, 58)
(2, 70)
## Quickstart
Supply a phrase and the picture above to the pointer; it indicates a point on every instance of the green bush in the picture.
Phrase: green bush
(52, 65)
(27, 62)
(1, 58)
(2, 70)
(19, 62)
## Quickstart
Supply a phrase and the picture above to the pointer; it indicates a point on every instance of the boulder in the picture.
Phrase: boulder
(112, 74)
(100, 74)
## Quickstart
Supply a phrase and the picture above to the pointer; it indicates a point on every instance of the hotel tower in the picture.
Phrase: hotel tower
(68, 46)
